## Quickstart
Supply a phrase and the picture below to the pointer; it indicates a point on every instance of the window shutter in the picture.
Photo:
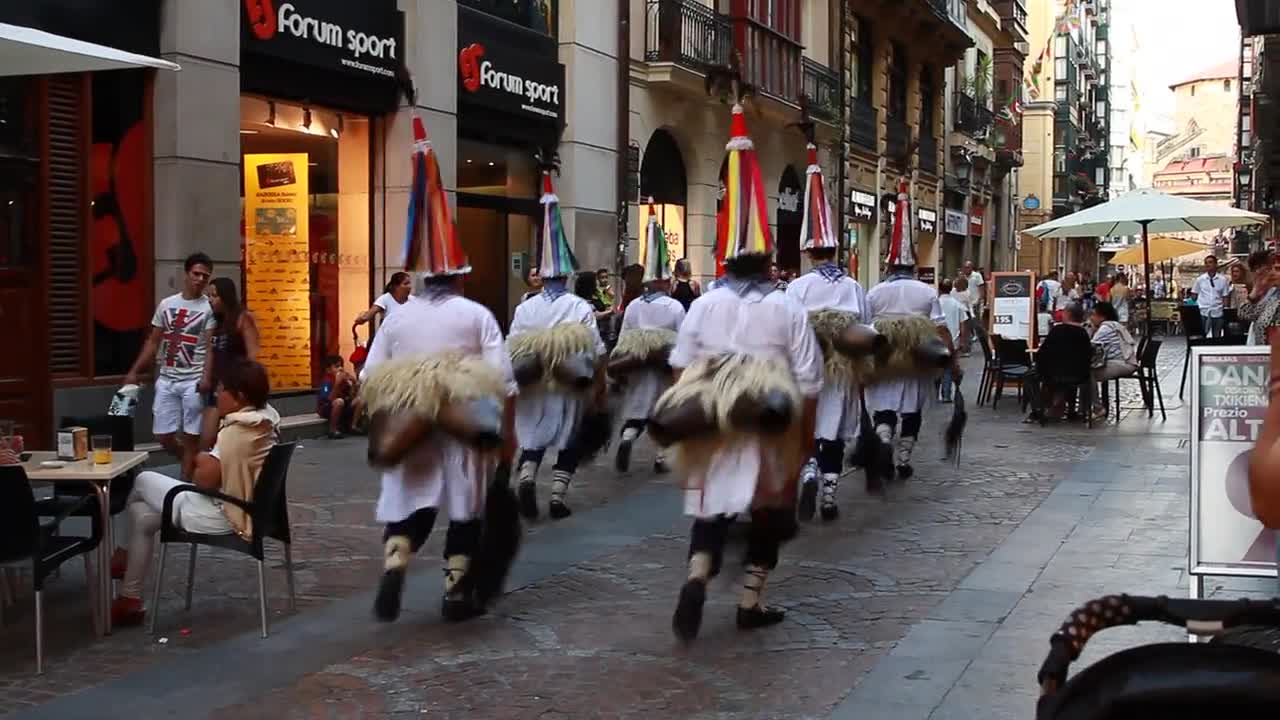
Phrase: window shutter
(66, 222)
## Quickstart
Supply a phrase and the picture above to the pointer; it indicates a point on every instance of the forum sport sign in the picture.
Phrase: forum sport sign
(356, 38)
(494, 75)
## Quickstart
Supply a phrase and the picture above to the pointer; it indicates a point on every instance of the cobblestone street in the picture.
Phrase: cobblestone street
(936, 601)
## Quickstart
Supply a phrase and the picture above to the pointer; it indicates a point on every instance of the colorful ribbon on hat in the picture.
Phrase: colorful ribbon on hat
(742, 224)
(555, 257)
(431, 240)
(815, 229)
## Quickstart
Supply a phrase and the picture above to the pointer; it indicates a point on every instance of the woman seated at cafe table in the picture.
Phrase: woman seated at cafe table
(248, 432)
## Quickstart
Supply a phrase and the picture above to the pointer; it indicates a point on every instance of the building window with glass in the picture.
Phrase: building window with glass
(305, 232)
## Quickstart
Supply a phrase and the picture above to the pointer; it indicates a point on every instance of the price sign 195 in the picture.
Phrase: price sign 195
(1004, 320)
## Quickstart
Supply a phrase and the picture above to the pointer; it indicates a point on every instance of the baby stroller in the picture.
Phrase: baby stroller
(1235, 677)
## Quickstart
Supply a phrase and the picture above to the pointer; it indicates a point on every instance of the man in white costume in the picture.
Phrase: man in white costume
(648, 328)
(740, 341)
(833, 301)
(551, 325)
(901, 301)
(437, 351)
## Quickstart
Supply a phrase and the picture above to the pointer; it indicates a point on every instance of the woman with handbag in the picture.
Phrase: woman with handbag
(1119, 352)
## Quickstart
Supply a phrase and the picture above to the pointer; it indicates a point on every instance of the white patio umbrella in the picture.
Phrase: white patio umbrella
(27, 51)
(1143, 212)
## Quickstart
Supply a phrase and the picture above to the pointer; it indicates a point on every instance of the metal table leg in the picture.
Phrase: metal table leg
(105, 547)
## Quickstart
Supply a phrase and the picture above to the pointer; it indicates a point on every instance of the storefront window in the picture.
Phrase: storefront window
(539, 15)
(304, 233)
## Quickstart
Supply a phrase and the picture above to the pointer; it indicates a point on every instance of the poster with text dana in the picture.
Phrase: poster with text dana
(1230, 406)
(277, 264)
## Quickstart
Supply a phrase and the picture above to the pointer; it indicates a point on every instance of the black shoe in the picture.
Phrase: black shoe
(386, 606)
(808, 500)
(905, 472)
(884, 463)
(830, 512)
(528, 496)
(688, 615)
(558, 510)
(759, 616)
(336, 436)
(459, 609)
(623, 461)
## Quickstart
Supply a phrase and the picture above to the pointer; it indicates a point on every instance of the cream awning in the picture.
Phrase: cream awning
(27, 51)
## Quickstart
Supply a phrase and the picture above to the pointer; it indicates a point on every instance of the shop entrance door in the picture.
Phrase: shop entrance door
(492, 231)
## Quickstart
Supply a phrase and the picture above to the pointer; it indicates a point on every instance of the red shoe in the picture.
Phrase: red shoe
(127, 612)
(119, 563)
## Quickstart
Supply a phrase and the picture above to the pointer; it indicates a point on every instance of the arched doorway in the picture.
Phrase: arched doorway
(788, 219)
(662, 178)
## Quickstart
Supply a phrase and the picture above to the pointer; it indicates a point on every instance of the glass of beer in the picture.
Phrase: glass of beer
(101, 449)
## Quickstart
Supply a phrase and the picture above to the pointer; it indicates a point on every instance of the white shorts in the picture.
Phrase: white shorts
(178, 407)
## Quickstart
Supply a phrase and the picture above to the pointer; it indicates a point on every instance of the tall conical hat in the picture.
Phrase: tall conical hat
(431, 240)
(901, 237)
(816, 232)
(656, 261)
(742, 224)
(555, 257)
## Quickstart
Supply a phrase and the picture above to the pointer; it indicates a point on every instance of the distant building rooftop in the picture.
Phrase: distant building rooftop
(1208, 163)
(1229, 69)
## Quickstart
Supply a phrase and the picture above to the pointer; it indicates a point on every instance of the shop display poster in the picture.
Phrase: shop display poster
(278, 266)
(1228, 407)
(1012, 304)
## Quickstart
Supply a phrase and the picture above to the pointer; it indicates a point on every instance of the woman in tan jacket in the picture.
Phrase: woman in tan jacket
(248, 432)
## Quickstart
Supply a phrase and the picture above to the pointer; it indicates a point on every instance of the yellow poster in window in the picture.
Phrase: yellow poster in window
(277, 265)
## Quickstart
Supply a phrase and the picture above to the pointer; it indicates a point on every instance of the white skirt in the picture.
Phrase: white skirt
(441, 473)
(899, 396)
(643, 388)
(839, 411)
(547, 420)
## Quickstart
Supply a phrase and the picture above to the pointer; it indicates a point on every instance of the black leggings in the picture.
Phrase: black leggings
(910, 422)
(770, 528)
(566, 460)
(462, 538)
(830, 456)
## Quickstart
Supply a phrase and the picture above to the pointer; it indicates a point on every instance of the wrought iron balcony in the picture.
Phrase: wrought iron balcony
(929, 154)
(1013, 16)
(970, 117)
(687, 33)
(864, 126)
(770, 60)
(822, 88)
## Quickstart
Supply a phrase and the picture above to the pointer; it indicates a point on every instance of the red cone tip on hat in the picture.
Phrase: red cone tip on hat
(738, 138)
(812, 154)
(546, 184)
(419, 131)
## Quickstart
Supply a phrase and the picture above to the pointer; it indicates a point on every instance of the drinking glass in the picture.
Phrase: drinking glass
(101, 449)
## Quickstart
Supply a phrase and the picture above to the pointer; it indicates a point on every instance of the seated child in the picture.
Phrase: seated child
(335, 397)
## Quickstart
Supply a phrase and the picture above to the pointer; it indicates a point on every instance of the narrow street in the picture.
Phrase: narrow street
(936, 602)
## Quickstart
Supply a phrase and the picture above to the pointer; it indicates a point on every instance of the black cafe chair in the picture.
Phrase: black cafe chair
(1013, 363)
(269, 515)
(24, 539)
(1147, 377)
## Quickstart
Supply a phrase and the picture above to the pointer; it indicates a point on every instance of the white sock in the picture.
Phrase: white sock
(830, 484)
(528, 471)
(630, 433)
(396, 553)
(700, 566)
(559, 484)
(455, 566)
(753, 586)
(905, 446)
(885, 433)
(810, 472)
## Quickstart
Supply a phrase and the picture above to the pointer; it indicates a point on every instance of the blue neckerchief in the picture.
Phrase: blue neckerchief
(553, 288)
(742, 286)
(651, 295)
(829, 271)
(435, 293)
(907, 274)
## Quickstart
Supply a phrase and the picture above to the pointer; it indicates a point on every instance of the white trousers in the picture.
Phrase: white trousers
(192, 512)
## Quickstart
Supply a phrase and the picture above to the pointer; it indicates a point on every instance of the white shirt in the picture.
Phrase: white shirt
(955, 313)
(905, 298)
(815, 293)
(1209, 292)
(965, 299)
(976, 294)
(184, 332)
(773, 325)
(537, 313)
(389, 304)
(661, 312)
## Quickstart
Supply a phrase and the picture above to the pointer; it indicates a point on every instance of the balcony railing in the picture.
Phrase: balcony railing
(864, 126)
(1013, 15)
(687, 33)
(896, 137)
(970, 117)
(822, 88)
(928, 154)
(771, 60)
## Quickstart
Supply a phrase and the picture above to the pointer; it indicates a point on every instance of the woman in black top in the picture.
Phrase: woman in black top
(685, 289)
(234, 338)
